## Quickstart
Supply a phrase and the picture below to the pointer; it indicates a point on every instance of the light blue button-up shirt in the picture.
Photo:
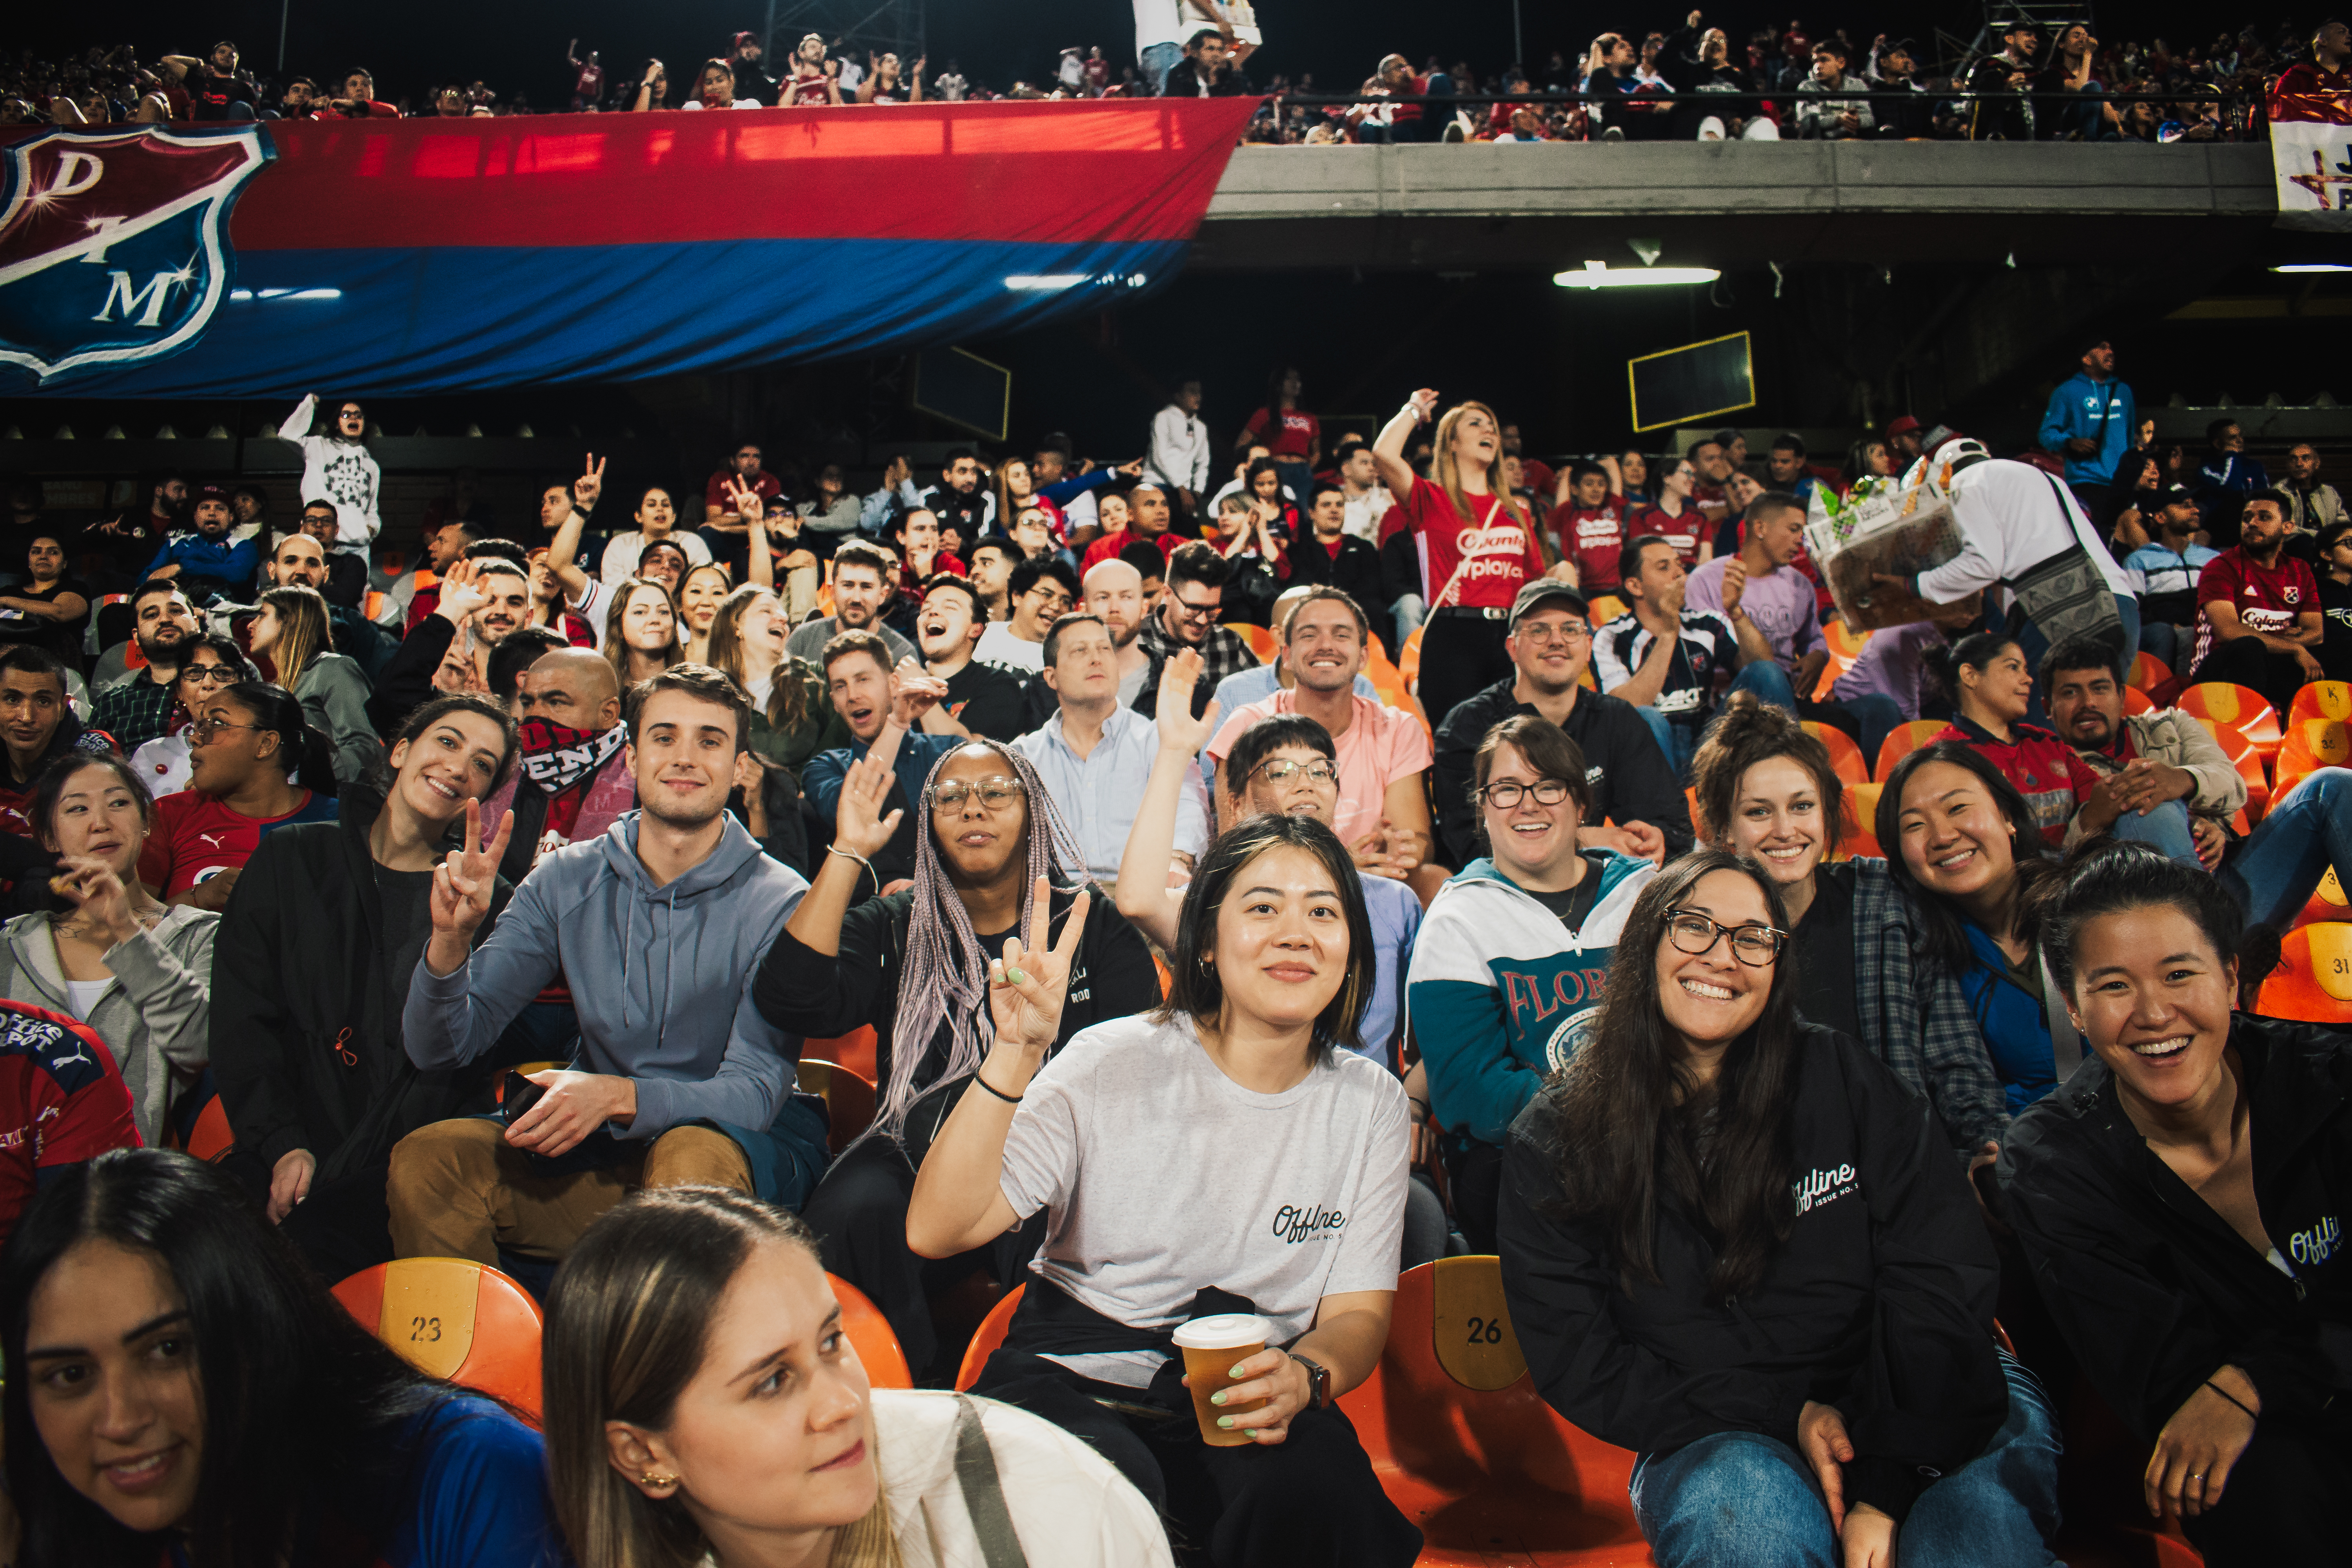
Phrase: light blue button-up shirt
(1099, 794)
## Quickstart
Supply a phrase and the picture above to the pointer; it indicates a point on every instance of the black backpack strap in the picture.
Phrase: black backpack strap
(983, 1494)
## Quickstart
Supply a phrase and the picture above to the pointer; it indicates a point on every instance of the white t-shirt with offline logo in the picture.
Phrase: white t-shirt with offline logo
(1165, 1177)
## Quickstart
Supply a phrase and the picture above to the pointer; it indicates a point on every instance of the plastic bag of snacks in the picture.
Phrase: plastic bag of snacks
(1886, 526)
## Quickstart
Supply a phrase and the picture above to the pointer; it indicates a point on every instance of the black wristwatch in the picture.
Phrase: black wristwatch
(1318, 1381)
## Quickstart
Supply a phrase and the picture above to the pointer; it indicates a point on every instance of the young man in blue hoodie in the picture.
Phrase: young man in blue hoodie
(658, 927)
(2089, 422)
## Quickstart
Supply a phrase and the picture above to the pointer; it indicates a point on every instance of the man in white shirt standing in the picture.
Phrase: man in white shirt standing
(1368, 499)
(1095, 754)
(1179, 459)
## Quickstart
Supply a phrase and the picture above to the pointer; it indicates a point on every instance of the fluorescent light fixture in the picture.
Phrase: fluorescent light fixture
(2314, 267)
(1046, 282)
(244, 296)
(1600, 274)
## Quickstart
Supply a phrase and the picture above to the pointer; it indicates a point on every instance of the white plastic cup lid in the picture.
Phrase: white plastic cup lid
(1224, 1331)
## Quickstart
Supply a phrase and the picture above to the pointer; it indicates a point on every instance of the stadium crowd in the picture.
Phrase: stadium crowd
(1472, 853)
(1692, 80)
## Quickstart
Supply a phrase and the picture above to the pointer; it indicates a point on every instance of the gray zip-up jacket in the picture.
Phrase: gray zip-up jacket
(155, 1016)
(661, 977)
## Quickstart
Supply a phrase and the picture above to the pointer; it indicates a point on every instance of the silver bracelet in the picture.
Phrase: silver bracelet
(853, 855)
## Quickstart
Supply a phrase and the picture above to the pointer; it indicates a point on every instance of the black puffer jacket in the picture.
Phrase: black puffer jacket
(306, 1022)
(2151, 1287)
(1880, 1303)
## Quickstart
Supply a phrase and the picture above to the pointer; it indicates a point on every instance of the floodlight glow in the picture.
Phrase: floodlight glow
(1046, 282)
(2314, 267)
(1600, 274)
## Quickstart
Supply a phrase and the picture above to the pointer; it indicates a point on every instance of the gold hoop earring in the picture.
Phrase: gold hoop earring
(648, 1479)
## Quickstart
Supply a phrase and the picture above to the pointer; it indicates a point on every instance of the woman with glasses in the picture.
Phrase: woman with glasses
(1734, 1243)
(208, 667)
(254, 765)
(1506, 968)
(913, 966)
(137, 972)
(1675, 516)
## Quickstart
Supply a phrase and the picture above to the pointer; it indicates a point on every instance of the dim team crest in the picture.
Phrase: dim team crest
(114, 246)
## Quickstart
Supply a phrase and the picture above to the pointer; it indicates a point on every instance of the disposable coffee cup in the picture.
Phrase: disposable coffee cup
(1212, 1347)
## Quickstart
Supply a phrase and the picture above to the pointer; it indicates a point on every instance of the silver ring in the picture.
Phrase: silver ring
(2198, 1477)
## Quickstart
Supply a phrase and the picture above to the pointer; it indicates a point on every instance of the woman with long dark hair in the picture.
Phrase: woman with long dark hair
(913, 966)
(254, 765)
(1469, 591)
(1964, 851)
(792, 716)
(1292, 437)
(293, 630)
(182, 1389)
(1734, 1243)
(1263, 1172)
(1765, 788)
(2181, 1203)
(662, 1453)
(1992, 692)
(311, 972)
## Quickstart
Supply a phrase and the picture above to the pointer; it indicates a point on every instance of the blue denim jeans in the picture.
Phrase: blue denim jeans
(1740, 1497)
(1156, 61)
(2272, 874)
(1878, 715)
(2166, 828)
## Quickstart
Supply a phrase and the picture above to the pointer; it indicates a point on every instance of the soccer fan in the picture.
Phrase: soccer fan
(204, 559)
(640, 637)
(721, 514)
(678, 1079)
(573, 780)
(47, 609)
(2089, 422)
(1991, 688)
(1329, 556)
(2164, 573)
(1187, 617)
(657, 519)
(1662, 657)
(959, 496)
(481, 600)
(337, 467)
(2258, 616)
(1590, 523)
(254, 765)
(983, 698)
(207, 665)
(1040, 591)
(885, 708)
(862, 592)
(37, 727)
(138, 708)
(1179, 458)
(62, 1103)
(292, 632)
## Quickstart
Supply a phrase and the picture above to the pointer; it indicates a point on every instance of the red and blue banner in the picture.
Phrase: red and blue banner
(427, 256)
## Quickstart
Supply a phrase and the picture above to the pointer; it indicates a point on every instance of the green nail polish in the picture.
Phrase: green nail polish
(1225, 1421)
(1015, 977)
(1218, 1397)
(1237, 1370)
(1249, 1431)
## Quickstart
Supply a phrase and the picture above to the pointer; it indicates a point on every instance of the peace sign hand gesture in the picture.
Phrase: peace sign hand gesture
(749, 504)
(1027, 986)
(589, 484)
(462, 884)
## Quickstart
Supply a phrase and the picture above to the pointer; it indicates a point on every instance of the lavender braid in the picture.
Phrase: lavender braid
(945, 977)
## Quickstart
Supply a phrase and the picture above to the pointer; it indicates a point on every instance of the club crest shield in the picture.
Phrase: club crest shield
(113, 244)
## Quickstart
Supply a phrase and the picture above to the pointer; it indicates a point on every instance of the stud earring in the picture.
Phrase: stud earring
(650, 1480)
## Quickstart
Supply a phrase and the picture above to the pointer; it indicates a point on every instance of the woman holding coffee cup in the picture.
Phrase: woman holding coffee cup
(1733, 1242)
(1282, 1203)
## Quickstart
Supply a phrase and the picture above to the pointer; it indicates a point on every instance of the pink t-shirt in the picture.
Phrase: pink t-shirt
(1382, 745)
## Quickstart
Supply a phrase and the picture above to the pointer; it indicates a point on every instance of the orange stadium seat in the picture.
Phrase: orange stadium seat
(1409, 660)
(2247, 761)
(1468, 1450)
(2327, 902)
(2311, 744)
(849, 1099)
(2238, 707)
(2314, 980)
(2321, 699)
(453, 1318)
(990, 1335)
(1261, 641)
(869, 1334)
(212, 1139)
(1844, 755)
(1605, 608)
(1902, 741)
(1861, 814)
(1843, 647)
(854, 1050)
(2149, 674)
(2138, 701)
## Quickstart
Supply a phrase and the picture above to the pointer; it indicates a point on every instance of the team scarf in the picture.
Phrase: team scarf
(557, 758)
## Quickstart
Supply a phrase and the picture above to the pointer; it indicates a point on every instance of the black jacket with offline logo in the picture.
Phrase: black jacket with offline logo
(2151, 1287)
(1880, 1302)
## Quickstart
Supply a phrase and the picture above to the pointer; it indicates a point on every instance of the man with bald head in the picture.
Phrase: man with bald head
(298, 560)
(574, 780)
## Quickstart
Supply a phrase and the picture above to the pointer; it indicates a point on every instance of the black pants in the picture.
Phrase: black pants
(343, 1227)
(2245, 661)
(1309, 1501)
(2284, 1501)
(1460, 656)
(1474, 1182)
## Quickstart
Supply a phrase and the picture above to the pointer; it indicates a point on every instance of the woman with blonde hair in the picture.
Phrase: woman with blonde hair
(1477, 546)
(706, 1407)
(641, 632)
(293, 631)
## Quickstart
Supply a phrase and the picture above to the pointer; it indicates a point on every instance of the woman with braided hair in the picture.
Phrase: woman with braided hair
(914, 965)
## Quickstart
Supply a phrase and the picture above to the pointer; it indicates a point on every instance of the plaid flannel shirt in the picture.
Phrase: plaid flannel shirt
(1916, 1017)
(1223, 652)
(134, 710)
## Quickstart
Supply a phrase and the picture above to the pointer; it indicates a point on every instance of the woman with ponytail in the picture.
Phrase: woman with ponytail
(292, 630)
(913, 965)
(253, 764)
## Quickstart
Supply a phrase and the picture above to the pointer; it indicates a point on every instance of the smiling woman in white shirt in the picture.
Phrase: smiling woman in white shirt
(1284, 1198)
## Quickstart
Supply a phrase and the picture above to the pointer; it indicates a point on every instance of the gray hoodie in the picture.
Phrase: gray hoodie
(661, 977)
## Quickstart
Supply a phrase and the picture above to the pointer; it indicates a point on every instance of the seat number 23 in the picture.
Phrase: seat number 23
(426, 1330)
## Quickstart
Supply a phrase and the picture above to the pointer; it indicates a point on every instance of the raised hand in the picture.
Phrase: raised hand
(461, 591)
(1424, 402)
(589, 484)
(749, 504)
(99, 896)
(462, 884)
(860, 823)
(1734, 585)
(1027, 986)
(1179, 731)
(914, 693)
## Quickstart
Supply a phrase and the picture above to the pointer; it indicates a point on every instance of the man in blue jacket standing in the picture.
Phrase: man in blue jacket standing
(2090, 422)
(656, 927)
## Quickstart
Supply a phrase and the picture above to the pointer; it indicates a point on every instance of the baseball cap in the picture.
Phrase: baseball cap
(212, 492)
(1544, 591)
(1901, 425)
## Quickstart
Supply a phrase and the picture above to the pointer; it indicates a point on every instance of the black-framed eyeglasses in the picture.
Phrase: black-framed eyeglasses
(206, 728)
(1507, 795)
(208, 674)
(995, 792)
(1282, 770)
(1191, 611)
(1693, 933)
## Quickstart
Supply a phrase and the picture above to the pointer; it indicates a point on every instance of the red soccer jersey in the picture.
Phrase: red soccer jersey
(2269, 598)
(1295, 433)
(195, 836)
(714, 489)
(1483, 564)
(1685, 533)
(61, 1102)
(1591, 536)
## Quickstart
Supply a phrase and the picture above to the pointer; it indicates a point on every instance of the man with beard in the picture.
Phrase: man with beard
(204, 559)
(982, 699)
(1332, 556)
(1186, 617)
(482, 600)
(656, 927)
(301, 560)
(1709, 495)
(1147, 523)
(959, 497)
(861, 596)
(751, 81)
(723, 526)
(138, 708)
(2258, 618)
(2165, 779)
(884, 709)
(345, 580)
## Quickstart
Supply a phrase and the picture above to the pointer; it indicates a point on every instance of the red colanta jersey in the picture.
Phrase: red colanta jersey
(1480, 564)
(1592, 537)
(61, 1102)
(1685, 533)
(2045, 770)
(1289, 433)
(2269, 598)
(195, 836)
